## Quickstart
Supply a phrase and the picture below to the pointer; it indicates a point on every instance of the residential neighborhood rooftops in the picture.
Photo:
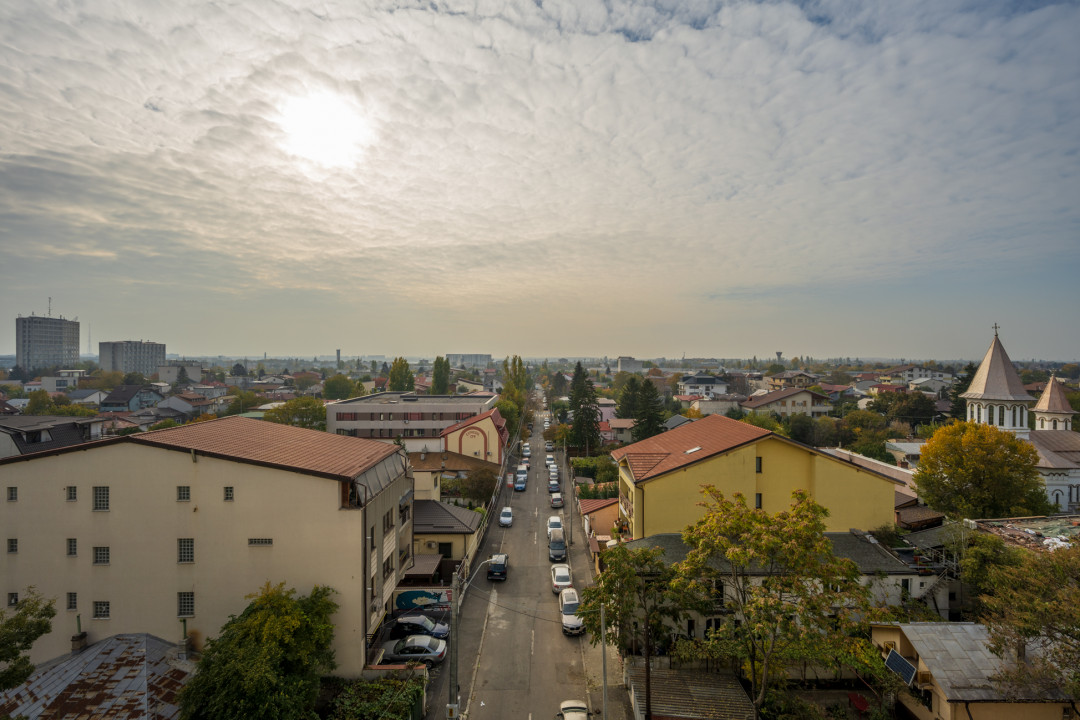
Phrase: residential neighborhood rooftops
(760, 400)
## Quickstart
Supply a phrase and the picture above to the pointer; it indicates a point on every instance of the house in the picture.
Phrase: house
(142, 532)
(181, 371)
(791, 379)
(600, 515)
(116, 678)
(26, 434)
(63, 381)
(86, 397)
(606, 406)
(192, 405)
(702, 385)
(676, 421)
(660, 478)
(949, 670)
(449, 531)
(906, 374)
(483, 436)
(792, 401)
(128, 398)
(931, 386)
(418, 420)
(622, 429)
(465, 385)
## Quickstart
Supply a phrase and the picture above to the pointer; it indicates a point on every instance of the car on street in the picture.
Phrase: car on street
(519, 483)
(550, 459)
(556, 500)
(416, 624)
(553, 523)
(568, 605)
(549, 447)
(506, 517)
(415, 649)
(554, 486)
(573, 710)
(526, 452)
(557, 546)
(498, 566)
(560, 578)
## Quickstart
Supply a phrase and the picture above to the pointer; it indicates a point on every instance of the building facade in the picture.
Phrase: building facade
(418, 420)
(468, 360)
(128, 356)
(42, 342)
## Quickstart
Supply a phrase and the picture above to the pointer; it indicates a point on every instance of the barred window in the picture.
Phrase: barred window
(185, 604)
(183, 493)
(101, 497)
(12, 494)
(101, 555)
(13, 545)
(185, 550)
(72, 493)
(101, 609)
(260, 541)
(72, 547)
(229, 493)
(73, 601)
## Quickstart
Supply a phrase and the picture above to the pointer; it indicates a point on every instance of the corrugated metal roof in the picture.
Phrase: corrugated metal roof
(691, 695)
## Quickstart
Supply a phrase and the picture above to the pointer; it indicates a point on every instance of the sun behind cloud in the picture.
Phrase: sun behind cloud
(325, 128)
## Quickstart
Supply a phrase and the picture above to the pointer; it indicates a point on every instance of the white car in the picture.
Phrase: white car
(550, 460)
(560, 578)
(506, 517)
(568, 605)
(573, 710)
(554, 523)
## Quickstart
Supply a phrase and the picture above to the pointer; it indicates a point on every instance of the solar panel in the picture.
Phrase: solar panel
(899, 665)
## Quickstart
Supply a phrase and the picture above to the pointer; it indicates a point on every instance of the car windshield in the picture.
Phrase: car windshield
(569, 608)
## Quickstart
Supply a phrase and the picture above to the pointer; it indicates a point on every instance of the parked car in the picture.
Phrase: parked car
(506, 517)
(519, 483)
(554, 486)
(415, 649)
(526, 452)
(573, 710)
(549, 446)
(415, 624)
(556, 500)
(550, 459)
(553, 523)
(498, 566)
(568, 605)
(557, 546)
(560, 578)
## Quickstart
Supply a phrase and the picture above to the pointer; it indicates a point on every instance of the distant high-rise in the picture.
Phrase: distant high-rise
(44, 342)
(129, 356)
(468, 360)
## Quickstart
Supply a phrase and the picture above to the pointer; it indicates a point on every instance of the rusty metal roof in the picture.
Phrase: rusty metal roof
(125, 677)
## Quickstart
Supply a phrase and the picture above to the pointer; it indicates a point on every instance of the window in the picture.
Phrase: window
(388, 567)
(13, 545)
(101, 555)
(260, 541)
(73, 601)
(72, 493)
(757, 500)
(183, 493)
(757, 465)
(185, 604)
(72, 547)
(348, 416)
(101, 609)
(185, 550)
(101, 498)
(12, 599)
(12, 494)
(229, 496)
(388, 521)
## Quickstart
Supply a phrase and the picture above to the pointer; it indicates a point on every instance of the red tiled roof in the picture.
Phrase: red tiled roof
(589, 505)
(604, 426)
(266, 443)
(668, 451)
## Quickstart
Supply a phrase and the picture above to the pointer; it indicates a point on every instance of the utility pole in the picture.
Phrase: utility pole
(454, 701)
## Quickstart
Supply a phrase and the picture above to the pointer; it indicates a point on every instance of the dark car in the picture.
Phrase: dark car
(557, 547)
(416, 624)
(498, 566)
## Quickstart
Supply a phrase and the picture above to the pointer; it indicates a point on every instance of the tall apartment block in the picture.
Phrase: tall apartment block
(128, 356)
(43, 342)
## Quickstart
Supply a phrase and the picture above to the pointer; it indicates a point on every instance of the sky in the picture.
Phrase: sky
(544, 178)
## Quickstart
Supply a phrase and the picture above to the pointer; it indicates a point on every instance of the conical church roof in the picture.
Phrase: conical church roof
(996, 378)
(1053, 399)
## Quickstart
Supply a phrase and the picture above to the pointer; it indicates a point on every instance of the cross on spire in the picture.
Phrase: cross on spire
(996, 329)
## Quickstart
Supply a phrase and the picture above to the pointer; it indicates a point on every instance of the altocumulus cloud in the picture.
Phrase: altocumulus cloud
(724, 154)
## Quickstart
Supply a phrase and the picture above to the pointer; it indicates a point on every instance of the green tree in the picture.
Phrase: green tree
(957, 404)
(164, 424)
(649, 419)
(640, 601)
(440, 376)
(267, 661)
(787, 597)
(386, 698)
(1036, 604)
(913, 409)
(238, 370)
(980, 555)
(339, 387)
(971, 470)
(135, 378)
(479, 485)
(585, 426)
(40, 404)
(510, 412)
(401, 377)
(626, 406)
(765, 421)
(305, 412)
(800, 428)
(20, 627)
(243, 401)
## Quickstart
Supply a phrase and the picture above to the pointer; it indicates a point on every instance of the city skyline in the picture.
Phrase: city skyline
(549, 180)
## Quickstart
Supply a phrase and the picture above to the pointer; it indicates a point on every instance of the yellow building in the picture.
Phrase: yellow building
(660, 478)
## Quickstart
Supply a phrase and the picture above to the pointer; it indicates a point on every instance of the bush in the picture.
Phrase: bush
(390, 698)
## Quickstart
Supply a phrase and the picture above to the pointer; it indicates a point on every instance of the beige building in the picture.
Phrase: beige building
(793, 401)
(418, 420)
(169, 531)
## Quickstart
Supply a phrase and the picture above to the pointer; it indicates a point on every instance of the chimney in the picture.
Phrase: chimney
(78, 642)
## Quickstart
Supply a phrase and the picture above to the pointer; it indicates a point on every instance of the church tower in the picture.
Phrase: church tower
(997, 396)
(1053, 411)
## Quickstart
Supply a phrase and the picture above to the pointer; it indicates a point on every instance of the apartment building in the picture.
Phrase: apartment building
(42, 342)
(418, 420)
(128, 356)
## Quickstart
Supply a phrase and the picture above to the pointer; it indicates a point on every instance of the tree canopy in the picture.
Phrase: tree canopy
(340, 387)
(971, 470)
(305, 412)
(267, 661)
(585, 425)
(440, 376)
(400, 377)
(20, 627)
(627, 403)
(649, 415)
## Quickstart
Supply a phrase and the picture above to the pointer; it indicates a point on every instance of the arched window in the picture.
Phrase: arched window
(1001, 414)
(1055, 424)
(1042, 423)
(978, 413)
(1014, 416)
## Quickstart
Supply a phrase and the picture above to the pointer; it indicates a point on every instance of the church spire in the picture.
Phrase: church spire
(1053, 411)
(996, 395)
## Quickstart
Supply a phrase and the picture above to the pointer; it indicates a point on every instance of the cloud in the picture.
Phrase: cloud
(640, 159)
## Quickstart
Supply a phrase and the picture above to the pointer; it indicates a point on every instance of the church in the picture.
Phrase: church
(997, 397)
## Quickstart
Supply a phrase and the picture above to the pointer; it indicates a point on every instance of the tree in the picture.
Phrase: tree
(1036, 605)
(585, 426)
(788, 597)
(971, 470)
(800, 427)
(980, 555)
(238, 370)
(913, 408)
(267, 661)
(639, 601)
(649, 418)
(957, 404)
(479, 485)
(181, 378)
(244, 401)
(20, 627)
(626, 406)
(400, 378)
(440, 376)
(40, 404)
(339, 387)
(164, 424)
(305, 412)
(765, 421)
